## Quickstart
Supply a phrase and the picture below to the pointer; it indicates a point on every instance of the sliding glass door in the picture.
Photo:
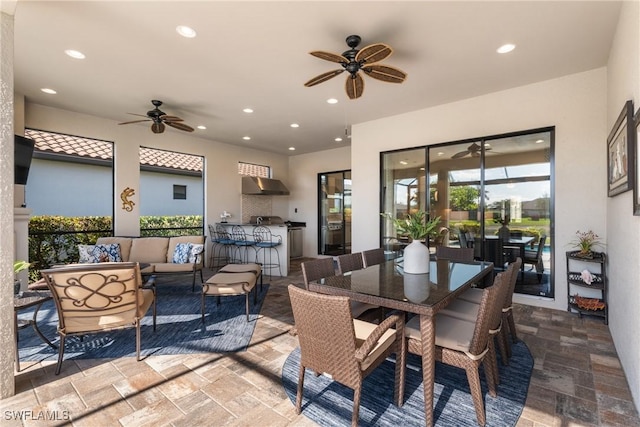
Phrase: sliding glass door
(492, 194)
(334, 217)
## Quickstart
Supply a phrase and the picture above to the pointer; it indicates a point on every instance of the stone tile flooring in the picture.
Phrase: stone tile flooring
(577, 380)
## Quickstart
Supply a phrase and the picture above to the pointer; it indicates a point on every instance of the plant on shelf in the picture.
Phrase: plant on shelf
(586, 241)
(414, 225)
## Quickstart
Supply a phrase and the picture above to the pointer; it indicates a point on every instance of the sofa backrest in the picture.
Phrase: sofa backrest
(149, 249)
(124, 242)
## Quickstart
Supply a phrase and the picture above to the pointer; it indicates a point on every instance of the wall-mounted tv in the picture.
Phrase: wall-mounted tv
(23, 152)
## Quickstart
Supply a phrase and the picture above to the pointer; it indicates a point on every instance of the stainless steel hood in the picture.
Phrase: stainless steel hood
(255, 185)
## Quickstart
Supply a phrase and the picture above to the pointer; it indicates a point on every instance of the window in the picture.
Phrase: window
(180, 192)
(249, 169)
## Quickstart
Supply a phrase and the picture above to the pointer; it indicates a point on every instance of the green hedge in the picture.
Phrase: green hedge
(55, 239)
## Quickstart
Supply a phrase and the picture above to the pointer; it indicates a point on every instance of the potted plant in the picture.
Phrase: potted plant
(18, 266)
(416, 226)
(586, 241)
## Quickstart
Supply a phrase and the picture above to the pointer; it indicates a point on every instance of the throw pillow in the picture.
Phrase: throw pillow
(196, 249)
(85, 253)
(107, 253)
(181, 253)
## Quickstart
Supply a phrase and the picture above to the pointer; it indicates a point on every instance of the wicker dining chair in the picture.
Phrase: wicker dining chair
(454, 254)
(373, 257)
(101, 297)
(465, 344)
(348, 349)
(349, 262)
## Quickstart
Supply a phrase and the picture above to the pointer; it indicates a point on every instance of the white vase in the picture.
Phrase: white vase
(416, 258)
(416, 287)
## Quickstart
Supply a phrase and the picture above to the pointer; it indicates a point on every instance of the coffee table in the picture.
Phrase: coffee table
(23, 301)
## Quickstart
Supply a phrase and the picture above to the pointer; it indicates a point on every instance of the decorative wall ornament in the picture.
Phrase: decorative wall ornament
(127, 204)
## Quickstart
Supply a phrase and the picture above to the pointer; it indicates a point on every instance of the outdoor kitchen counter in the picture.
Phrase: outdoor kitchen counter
(283, 250)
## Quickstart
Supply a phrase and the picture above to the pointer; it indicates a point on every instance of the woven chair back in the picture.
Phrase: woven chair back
(326, 334)
(373, 257)
(454, 254)
(317, 269)
(349, 262)
(489, 313)
(514, 270)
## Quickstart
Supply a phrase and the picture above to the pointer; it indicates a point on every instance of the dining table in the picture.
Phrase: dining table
(387, 285)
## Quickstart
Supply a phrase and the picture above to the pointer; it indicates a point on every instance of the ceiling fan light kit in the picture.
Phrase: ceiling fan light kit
(355, 60)
(160, 119)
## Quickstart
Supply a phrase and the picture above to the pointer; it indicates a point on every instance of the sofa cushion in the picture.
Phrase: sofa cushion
(107, 253)
(124, 242)
(85, 254)
(173, 241)
(196, 249)
(149, 249)
(181, 253)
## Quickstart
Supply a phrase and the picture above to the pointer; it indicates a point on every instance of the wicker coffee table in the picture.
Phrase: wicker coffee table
(385, 285)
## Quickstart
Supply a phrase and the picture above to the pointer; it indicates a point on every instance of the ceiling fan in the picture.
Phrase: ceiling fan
(159, 119)
(473, 150)
(356, 60)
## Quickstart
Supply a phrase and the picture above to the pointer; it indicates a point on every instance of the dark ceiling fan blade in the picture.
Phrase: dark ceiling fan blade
(157, 127)
(354, 86)
(328, 56)
(141, 115)
(180, 126)
(323, 77)
(166, 118)
(134, 121)
(460, 154)
(373, 53)
(385, 73)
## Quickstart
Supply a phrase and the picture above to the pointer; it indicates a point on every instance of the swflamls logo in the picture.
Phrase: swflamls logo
(29, 415)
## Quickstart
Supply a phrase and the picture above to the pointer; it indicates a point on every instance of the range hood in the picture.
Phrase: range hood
(255, 185)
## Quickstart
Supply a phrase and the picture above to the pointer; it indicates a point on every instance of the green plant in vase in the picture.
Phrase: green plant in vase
(18, 266)
(415, 225)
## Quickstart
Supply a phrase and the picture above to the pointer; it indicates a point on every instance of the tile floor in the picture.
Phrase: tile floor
(577, 380)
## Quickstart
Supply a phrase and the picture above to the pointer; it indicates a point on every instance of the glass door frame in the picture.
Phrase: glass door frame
(344, 244)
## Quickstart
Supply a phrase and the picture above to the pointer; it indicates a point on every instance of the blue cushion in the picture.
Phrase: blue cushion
(110, 253)
(196, 249)
(85, 253)
(181, 253)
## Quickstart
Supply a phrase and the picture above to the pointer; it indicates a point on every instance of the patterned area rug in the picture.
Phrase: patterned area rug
(179, 329)
(330, 404)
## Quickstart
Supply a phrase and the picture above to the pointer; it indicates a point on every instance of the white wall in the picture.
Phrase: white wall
(156, 194)
(623, 229)
(574, 104)
(222, 183)
(303, 188)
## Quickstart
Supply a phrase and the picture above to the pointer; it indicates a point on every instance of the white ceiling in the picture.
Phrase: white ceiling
(255, 54)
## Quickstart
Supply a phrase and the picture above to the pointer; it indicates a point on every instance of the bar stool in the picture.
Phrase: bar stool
(264, 240)
(221, 243)
(240, 240)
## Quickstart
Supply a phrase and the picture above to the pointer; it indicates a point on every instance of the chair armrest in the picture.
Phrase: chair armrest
(150, 283)
(396, 320)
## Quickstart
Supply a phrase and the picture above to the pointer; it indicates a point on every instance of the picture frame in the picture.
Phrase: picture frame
(636, 187)
(620, 153)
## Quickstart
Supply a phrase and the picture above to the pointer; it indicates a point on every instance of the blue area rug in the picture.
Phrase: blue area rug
(329, 403)
(179, 329)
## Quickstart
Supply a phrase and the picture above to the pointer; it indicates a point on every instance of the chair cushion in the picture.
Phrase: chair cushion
(242, 268)
(108, 252)
(196, 249)
(461, 309)
(473, 295)
(451, 333)
(357, 308)
(170, 267)
(181, 253)
(363, 330)
(124, 242)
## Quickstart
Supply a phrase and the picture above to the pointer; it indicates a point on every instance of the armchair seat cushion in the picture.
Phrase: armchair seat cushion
(229, 284)
(363, 330)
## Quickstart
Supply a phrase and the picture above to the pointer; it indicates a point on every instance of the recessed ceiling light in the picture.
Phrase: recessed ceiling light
(49, 91)
(74, 54)
(487, 145)
(338, 139)
(294, 125)
(185, 31)
(402, 162)
(440, 153)
(246, 138)
(332, 101)
(202, 127)
(540, 141)
(292, 148)
(421, 169)
(248, 110)
(506, 48)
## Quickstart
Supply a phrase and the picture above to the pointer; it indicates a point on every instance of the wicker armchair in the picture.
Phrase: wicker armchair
(454, 254)
(100, 297)
(466, 344)
(373, 257)
(349, 262)
(348, 349)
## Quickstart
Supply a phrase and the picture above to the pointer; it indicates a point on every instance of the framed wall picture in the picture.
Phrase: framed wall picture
(620, 149)
(636, 187)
